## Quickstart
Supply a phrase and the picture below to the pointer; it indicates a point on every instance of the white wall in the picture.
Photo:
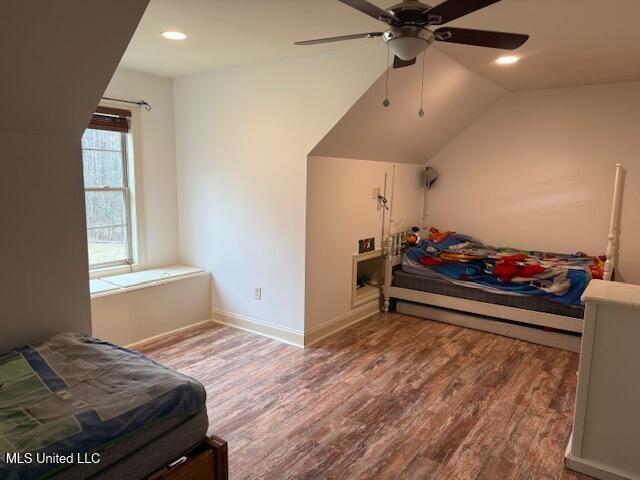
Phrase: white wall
(536, 171)
(44, 276)
(157, 159)
(242, 139)
(340, 211)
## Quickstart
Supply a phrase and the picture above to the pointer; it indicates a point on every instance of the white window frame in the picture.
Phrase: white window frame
(132, 188)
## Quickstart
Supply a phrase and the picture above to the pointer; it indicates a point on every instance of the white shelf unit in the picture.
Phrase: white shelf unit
(370, 264)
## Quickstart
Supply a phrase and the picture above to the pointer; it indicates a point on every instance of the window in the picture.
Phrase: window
(105, 154)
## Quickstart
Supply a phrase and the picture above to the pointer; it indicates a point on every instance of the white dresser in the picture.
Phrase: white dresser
(605, 442)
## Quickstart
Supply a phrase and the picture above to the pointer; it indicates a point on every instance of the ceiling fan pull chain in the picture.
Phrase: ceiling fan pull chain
(386, 101)
(421, 111)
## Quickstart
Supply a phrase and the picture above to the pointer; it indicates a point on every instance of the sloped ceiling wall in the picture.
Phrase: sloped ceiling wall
(57, 58)
(453, 98)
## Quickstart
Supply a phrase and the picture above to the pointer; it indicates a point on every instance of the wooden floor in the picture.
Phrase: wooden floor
(393, 397)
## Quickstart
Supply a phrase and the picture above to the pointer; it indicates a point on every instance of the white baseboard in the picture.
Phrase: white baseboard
(595, 469)
(286, 335)
(343, 321)
(290, 336)
(133, 345)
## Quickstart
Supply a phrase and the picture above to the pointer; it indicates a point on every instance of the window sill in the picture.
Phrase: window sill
(114, 284)
(99, 273)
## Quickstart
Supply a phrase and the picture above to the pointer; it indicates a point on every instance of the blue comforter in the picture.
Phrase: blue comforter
(465, 261)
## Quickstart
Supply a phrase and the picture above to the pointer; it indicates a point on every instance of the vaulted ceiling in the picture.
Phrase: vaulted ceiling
(453, 98)
(572, 41)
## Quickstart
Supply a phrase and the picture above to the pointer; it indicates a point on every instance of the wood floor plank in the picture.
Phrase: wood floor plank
(388, 398)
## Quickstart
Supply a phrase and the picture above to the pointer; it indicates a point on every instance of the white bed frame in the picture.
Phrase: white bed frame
(487, 316)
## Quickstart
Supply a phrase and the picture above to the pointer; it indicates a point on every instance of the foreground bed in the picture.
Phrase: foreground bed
(74, 407)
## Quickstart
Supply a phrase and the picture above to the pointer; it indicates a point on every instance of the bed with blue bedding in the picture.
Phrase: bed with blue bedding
(453, 264)
(76, 398)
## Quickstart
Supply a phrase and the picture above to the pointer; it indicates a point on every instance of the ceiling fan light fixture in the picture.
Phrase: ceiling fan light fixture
(407, 48)
(407, 43)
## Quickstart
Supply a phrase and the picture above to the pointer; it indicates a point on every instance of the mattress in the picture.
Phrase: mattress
(443, 287)
(73, 396)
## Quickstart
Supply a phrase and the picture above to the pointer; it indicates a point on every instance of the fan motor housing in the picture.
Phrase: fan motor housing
(408, 31)
(410, 12)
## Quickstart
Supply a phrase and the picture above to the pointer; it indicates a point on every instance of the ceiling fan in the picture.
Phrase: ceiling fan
(409, 35)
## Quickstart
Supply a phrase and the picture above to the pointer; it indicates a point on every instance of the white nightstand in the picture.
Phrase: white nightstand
(605, 442)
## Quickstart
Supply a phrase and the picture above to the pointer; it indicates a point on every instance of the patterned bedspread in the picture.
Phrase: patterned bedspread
(74, 394)
(466, 261)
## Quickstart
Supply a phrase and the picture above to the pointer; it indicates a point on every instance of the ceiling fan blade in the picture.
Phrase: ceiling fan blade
(340, 38)
(399, 63)
(371, 10)
(481, 38)
(452, 9)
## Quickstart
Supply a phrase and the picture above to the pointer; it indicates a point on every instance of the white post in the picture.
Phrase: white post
(425, 207)
(390, 198)
(388, 267)
(614, 225)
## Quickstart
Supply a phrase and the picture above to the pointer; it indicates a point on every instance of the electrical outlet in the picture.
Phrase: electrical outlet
(257, 293)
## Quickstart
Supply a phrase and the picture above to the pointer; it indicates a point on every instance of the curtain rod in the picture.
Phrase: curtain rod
(140, 103)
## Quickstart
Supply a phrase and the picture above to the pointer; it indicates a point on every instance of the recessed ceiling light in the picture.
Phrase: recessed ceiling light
(507, 60)
(174, 35)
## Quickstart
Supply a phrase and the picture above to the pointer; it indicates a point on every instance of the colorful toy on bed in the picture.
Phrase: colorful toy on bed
(465, 261)
(413, 237)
